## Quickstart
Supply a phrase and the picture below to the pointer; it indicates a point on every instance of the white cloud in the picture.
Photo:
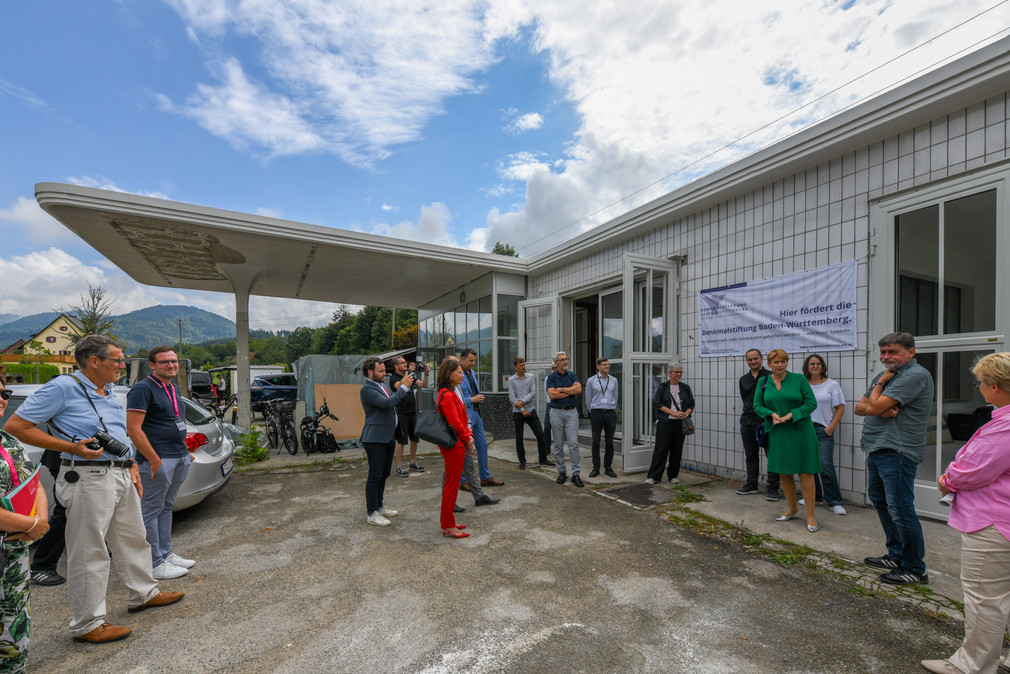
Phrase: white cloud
(389, 208)
(527, 122)
(432, 226)
(350, 78)
(36, 225)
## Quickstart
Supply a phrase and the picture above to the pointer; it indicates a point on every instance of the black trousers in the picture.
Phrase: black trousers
(669, 444)
(533, 421)
(50, 547)
(603, 422)
(752, 454)
(380, 462)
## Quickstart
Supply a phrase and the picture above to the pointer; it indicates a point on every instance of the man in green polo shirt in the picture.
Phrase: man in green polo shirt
(896, 408)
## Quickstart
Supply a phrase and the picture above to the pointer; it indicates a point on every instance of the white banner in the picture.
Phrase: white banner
(807, 311)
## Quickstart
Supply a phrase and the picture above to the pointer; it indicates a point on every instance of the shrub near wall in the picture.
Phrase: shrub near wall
(44, 371)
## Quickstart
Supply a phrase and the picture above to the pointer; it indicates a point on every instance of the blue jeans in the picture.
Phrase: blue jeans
(827, 481)
(479, 439)
(890, 488)
(156, 504)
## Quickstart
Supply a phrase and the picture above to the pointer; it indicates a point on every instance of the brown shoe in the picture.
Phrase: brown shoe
(160, 599)
(491, 482)
(104, 633)
(464, 487)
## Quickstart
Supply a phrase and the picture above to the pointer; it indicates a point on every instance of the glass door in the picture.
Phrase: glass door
(648, 296)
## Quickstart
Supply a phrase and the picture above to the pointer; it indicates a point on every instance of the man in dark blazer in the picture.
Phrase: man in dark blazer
(378, 435)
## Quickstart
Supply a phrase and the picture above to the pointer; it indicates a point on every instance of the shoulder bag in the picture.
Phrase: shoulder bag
(687, 423)
(760, 434)
(431, 426)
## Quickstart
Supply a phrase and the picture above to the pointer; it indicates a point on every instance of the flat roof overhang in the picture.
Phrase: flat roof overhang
(176, 245)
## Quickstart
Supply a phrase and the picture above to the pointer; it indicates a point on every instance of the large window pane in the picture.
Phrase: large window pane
(538, 334)
(484, 317)
(657, 323)
(508, 315)
(613, 325)
(447, 334)
(969, 263)
(508, 349)
(484, 355)
(917, 242)
(927, 469)
(472, 324)
(460, 325)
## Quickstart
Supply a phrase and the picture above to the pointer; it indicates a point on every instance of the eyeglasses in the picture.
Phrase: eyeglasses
(121, 361)
(166, 362)
(5, 394)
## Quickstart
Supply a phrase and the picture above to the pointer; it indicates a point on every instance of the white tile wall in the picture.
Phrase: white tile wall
(815, 217)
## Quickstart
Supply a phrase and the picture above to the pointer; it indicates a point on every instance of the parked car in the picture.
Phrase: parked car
(199, 386)
(283, 386)
(209, 445)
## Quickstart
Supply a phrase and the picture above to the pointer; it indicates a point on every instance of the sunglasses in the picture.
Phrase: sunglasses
(5, 394)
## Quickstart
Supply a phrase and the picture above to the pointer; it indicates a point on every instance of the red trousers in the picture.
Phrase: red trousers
(450, 484)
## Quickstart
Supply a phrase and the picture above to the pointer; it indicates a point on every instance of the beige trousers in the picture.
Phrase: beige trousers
(985, 578)
(103, 508)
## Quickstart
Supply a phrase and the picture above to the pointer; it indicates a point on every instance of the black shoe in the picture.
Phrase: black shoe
(522, 466)
(561, 478)
(577, 481)
(486, 500)
(458, 509)
(886, 562)
(46, 577)
(595, 472)
(610, 472)
(747, 489)
(902, 576)
(773, 495)
(544, 463)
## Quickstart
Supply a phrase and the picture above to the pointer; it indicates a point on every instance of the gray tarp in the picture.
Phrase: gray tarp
(312, 370)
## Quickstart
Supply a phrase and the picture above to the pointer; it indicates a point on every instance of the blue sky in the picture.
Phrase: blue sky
(454, 122)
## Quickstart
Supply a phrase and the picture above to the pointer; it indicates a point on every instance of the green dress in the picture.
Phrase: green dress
(792, 446)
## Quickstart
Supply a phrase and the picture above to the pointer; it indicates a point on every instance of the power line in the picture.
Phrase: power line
(793, 112)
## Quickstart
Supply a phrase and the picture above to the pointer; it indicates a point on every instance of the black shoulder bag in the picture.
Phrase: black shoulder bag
(432, 426)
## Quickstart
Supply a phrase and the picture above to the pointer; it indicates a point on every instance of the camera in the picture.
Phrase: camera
(109, 444)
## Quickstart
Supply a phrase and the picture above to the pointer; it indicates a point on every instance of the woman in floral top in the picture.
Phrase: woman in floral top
(18, 532)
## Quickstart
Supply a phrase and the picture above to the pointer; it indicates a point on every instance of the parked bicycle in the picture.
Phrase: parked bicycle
(315, 436)
(280, 425)
(220, 406)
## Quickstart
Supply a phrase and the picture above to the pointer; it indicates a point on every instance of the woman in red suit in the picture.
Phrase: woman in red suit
(448, 402)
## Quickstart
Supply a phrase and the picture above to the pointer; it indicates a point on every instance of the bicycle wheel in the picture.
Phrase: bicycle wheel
(273, 434)
(289, 436)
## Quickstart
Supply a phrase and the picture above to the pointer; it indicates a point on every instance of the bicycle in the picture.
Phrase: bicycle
(271, 424)
(219, 406)
(284, 410)
(315, 436)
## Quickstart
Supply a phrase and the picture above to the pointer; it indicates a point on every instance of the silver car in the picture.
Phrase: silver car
(209, 446)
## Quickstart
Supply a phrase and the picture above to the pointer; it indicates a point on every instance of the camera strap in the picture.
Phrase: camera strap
(73, 438)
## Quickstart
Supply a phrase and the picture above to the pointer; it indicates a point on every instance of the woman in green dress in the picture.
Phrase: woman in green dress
(785, 401)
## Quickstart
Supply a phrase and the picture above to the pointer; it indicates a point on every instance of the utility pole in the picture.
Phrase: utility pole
(180, 338)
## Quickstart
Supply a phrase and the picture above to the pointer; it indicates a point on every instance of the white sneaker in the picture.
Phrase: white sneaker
(166, 571)
(838, 510)
(388, 512)
(674, 480)
(803, 501)
(181, 562)
(378, 520)
(649, 480)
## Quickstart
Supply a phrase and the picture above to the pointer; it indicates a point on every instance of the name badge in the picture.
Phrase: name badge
(180, 424)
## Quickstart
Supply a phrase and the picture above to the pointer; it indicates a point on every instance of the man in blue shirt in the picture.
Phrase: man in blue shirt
(99, 488)
(562, 387)
(897, 407)
(472, 399)
(156, 422)
(601, 399)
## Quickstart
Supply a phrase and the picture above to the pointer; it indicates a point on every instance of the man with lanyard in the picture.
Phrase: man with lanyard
(897, 408)
(562, 387)
(601, 398)
(156, 422)
(406, 414)
(99, 489)
(749, 423)
(472, 398)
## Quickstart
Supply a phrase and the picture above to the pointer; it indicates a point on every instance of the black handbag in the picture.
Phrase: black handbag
(431, 426)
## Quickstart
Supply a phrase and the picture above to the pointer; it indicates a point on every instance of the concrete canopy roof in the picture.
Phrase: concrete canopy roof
(176, 245)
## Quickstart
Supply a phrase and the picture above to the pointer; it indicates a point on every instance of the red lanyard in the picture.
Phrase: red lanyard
(169, 391)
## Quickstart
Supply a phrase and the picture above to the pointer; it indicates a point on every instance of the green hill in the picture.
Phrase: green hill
(139, 329)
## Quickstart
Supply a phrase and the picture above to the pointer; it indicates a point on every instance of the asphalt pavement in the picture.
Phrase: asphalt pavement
(289, 578)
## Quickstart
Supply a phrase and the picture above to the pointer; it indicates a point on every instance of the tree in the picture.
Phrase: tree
(504, 249)
(35, 352)
(93, 313)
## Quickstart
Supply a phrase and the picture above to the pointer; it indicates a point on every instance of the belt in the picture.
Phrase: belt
(570, 407)
(601, 409)
(128, 463)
